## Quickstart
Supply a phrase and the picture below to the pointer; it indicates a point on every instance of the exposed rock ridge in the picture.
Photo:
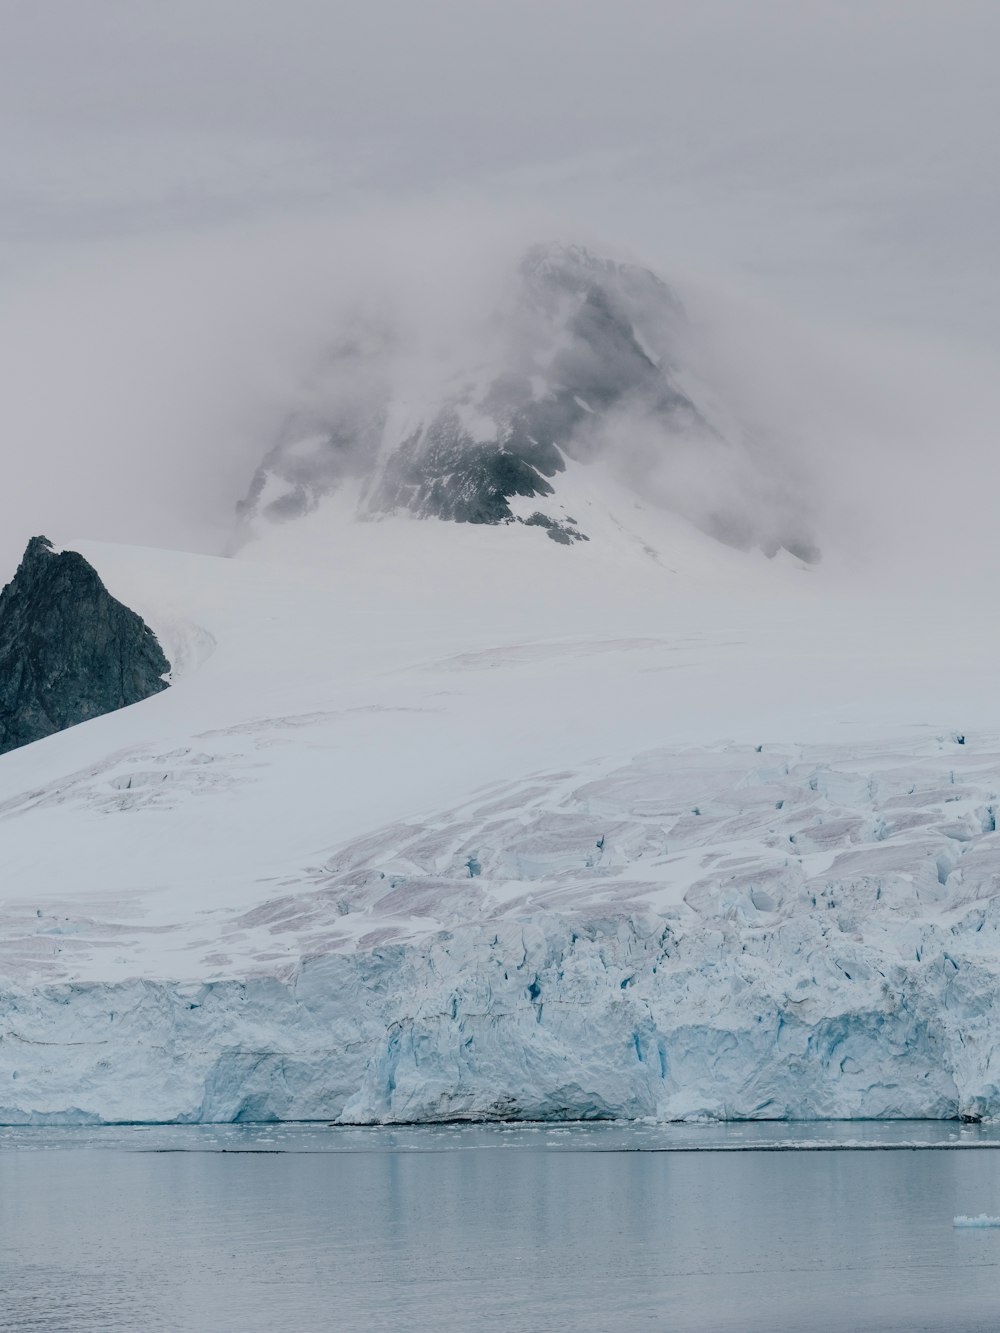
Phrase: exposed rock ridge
(586, 352)
(69, 651)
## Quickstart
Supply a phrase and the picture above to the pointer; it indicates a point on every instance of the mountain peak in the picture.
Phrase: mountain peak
(583, 359)
(38, 548)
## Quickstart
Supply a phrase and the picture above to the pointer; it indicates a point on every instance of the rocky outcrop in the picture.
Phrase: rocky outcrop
(68, 650)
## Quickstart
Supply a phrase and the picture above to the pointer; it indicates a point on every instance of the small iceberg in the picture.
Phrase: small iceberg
(983, 1220)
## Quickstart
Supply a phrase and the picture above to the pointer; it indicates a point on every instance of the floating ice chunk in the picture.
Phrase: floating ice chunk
(983, 1220)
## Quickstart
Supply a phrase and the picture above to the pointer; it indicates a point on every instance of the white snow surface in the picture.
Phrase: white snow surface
(440, 821)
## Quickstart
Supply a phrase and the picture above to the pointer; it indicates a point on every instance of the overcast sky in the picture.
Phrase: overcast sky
(185, 184)
(838, 153)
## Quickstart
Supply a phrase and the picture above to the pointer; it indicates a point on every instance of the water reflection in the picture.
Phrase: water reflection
(470, 1228)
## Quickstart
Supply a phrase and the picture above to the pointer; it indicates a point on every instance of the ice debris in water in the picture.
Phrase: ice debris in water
(983, 1220)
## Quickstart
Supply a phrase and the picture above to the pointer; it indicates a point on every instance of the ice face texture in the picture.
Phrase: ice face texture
(815, 939)
(68, 650)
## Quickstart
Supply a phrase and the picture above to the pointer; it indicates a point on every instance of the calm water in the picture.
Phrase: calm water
(579, 1228)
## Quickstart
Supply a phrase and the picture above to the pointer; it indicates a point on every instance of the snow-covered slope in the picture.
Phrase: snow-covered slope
(451, 820)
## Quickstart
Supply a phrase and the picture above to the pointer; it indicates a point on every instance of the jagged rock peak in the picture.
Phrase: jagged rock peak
(69, 651)
(567, 353)
(581, 359)
(568, 263)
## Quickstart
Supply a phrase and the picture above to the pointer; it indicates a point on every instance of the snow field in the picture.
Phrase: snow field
(443, 822)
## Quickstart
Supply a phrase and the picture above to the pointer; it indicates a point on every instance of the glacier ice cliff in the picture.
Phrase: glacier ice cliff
(743, 933)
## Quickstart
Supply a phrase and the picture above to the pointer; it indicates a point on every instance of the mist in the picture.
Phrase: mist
(202, 203)
(146, 382)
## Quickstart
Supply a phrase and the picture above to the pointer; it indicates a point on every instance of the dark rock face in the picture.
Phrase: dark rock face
(563, 533)
(68, 650)
(444, 473)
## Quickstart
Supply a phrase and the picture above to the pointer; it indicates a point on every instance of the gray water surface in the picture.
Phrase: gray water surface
(516, 1228)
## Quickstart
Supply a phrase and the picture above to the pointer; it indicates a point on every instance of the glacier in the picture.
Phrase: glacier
(649, 828)
(817, 940)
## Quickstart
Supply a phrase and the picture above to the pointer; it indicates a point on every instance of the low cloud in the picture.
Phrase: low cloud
(145, 382)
